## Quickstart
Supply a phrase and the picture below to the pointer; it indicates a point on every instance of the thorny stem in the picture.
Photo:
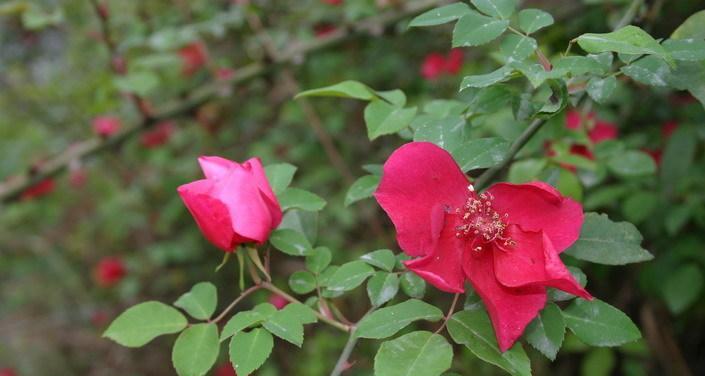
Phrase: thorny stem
(342, 363)
(449, 314)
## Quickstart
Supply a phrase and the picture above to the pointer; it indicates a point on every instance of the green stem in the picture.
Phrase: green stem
(450, 313)
(516, 146)
(234, 303)
(241, 263)
(341, 364)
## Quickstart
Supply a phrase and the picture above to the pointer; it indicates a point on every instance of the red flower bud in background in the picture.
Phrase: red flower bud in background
(668, 128)
(40, 189)
(234, 204)
(7, 372)
(100, 318)
(78, 177)
(454, 61)
(103, 10)
(505, 241)
(158, 136)
(225, 369)
(323, 29)
(106, 126)
(224, 73)
(333, 2)
(278, 301)
(109, 271)
(193, 56)
(601, 131)
(436, 64)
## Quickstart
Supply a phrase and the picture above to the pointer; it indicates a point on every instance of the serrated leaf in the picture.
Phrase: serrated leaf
(249, 350)
(362, 188)
(484, 80)
(265, 309)
(349, 276)
(474, 29)
(599, 324)
(319, 259)
(345, 89)
(413, 285)
(683, 287)
(302, 282)
(385, 322)
(441, 15)
(417, 353)
(517, 47)
(381, 258)
(532, 20)
(383, 118)
(546, 332)
(279, 176)
(480, 153)
(601, 89)
(496, 8)
(632, 163)
(382, 287)
(196, 350)
(533, 72)
(649, 71)
(200, 302)
(286, 327)
(300, 312)
(301, 199)
(605, 242)
(143, 322)
(290, 242)
(627, 40)
(241, 320)
(447, 133)
(474, 330)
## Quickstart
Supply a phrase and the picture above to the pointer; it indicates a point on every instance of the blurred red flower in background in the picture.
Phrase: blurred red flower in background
(225, 369)
(109, 271)
(40, 189)
(234, 204)
(106, 126)
(193, 56)
(7, 372)
(278, 301)
(159, 135)
(436, 64)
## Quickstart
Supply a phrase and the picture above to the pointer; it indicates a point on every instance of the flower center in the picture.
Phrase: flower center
(480, 222)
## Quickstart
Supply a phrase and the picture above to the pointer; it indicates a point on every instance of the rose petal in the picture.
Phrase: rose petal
(537, 206)
(533, 262)
(254, 166)
(442, 267)
(510, 309)
(420, 181)
(211, 215)
(215, 167)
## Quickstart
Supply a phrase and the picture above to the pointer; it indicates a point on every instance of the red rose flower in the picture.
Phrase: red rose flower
(454, 61)
(234, 204)
(278, 301)
(505, 241)
(109, 271)
(193, 56)
(225, 369)
(106, 126)
(40, 189)
(158, 136)
(433, 66)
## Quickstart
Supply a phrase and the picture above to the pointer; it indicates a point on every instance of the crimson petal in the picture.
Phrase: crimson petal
(420, 181)
(538, 206)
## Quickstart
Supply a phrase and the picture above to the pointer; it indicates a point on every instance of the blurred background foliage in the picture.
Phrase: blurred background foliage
(55, 78)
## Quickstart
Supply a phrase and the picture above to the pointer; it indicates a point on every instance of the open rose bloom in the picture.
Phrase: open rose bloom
(505, 241)
(234, 204)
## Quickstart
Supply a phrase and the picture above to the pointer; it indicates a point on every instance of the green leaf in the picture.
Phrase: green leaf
(300, 312)
(200, 302)
(474, 29)
(382, 287)
(605, 242)
(480, 153)
(627, 40)
(266, 309)
(290, 242)
(249, 350)
(496, 8)
(299, 198)
(532, 20)
(383, 118)
(302, 282)
(385, 322)
(678, 157)
(413, 285)
(532, 71)
(692, 27)
(546, 332)
(143, 322)
(285, 326)
(140, 83)
(686, 49)
(441, 15)
(443, 108)
(362, 188)
(599, 324)
(241, 320)
(474, 330)
(447, 133)
(632, 163)
(417, 353)
(517, 47)
(649, 71)
(345, 89)
(526, 170)
(484, 80)
(279, 176)
(683, 287)
(638, 206)
(319, 259)
(576, 66)
(196, 350)
(381, 258)
(601, 89)
(349, 276)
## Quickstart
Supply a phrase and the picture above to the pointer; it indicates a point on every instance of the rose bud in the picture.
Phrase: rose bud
(106, 126)
(234, 204)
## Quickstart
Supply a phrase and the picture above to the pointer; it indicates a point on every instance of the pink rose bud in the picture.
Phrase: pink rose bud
(109, 271)
(278, 301)
(106, 126)
(234, 204)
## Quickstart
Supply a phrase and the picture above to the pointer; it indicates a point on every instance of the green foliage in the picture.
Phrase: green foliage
(417, 353)
(196, 350)
(249, 350)
(349, 276)
(385, 322)
(381, 258)
(200, 302)
(599, 324)
(546, 332)
(291, 242)
(140, 324)
(382, 287)
(361, 189)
